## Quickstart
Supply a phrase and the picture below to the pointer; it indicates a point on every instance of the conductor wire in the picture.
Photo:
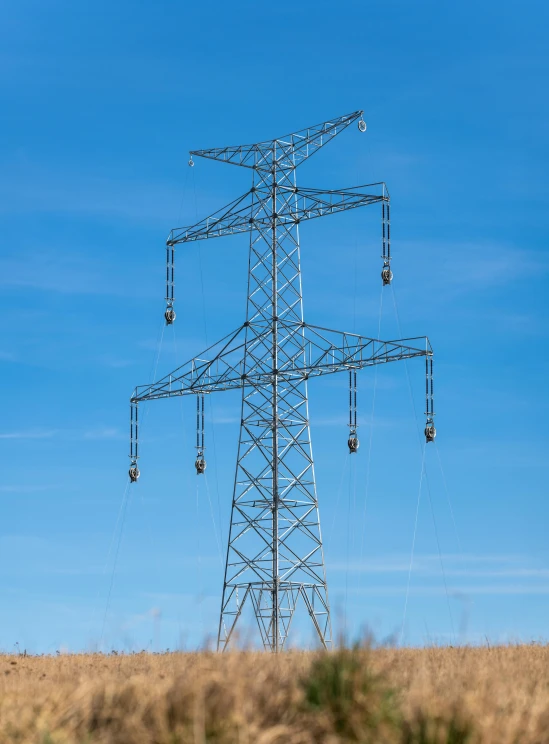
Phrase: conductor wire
(338, 499)
(352, 479)
(125, 501)
(122, 509)
(443, 572)
(448, 499)
(368, 466)
(413, 544)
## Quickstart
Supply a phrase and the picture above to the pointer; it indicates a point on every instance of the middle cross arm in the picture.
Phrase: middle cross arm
(298, 204)
(321, 352)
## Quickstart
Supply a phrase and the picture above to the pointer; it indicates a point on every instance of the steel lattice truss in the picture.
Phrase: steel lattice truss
(274, 554)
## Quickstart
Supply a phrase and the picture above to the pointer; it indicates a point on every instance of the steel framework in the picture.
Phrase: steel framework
(274, 553)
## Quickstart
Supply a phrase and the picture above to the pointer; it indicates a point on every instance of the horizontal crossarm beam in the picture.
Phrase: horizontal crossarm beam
(323, 352)
(299, 204)
(286, 152)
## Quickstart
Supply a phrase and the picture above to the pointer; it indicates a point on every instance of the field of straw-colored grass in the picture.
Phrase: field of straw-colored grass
(497, 695)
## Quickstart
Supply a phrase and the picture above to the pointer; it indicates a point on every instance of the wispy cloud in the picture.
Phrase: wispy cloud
(115, 362)
(469, 266)
(27, 187)
(29, 434)
(26, 489)
(365, 421)
(463, 591)
(105, 432)
(101, 432)
(55, 271)
(226, 419)
(469, 565)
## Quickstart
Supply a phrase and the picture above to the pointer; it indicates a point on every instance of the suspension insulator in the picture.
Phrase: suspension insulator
(134, 473)
(430, 433)
(200, 464)
(353, 443)
(169, 315)
(361, 125)
(386, 275)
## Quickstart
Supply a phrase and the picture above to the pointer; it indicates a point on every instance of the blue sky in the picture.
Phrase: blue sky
(100, 104)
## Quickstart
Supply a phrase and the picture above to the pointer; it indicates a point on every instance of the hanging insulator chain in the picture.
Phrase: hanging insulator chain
(169, 315)
(384, 237)
(388, 232)
(386, 273)
(352, 442)
(430, 431)
(354, 383)
(203, 423)
(350, 399)
(134, 442)
(200, 463)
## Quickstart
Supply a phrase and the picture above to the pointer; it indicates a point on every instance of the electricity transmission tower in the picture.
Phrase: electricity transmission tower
(274, 555)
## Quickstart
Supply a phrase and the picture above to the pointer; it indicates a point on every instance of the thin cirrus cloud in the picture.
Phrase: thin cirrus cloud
(104, 432)
(26, 188)
(460, 592)
(470, 266)
(467, 565)
(55, 271)
(30, 434)
(21, 489)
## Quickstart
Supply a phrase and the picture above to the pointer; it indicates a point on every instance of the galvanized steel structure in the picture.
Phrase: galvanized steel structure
(274, 555)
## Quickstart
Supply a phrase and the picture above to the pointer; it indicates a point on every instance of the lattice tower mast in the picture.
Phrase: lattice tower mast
(274, 553)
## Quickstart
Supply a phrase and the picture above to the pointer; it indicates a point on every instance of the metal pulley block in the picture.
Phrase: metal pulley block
(169, 315)
(430, 433)
(134, 473)
(353, 443)
(386, 275)
(200, 464)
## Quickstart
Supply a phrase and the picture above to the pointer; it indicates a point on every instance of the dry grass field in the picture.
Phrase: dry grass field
(497, 695)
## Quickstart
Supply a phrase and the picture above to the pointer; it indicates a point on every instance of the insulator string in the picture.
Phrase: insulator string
(383, 244)
(427, 385)
(131, 431)
(388, 234)
(134, 432)
(350, 398)
(202, 421)
(173, 267)
(197, 422)
(355, 396)
(432, 391)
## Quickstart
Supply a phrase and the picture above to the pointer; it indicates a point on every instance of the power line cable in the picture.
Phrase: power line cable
(443, 572)
(213, 520)
(449, 500)
(338, 499)
(115, 564)
(372, 418)
(413, 545)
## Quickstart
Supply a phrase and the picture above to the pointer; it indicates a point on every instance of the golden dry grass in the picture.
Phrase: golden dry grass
(497, 695)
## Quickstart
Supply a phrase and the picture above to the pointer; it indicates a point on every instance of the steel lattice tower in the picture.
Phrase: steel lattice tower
(274, 553)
